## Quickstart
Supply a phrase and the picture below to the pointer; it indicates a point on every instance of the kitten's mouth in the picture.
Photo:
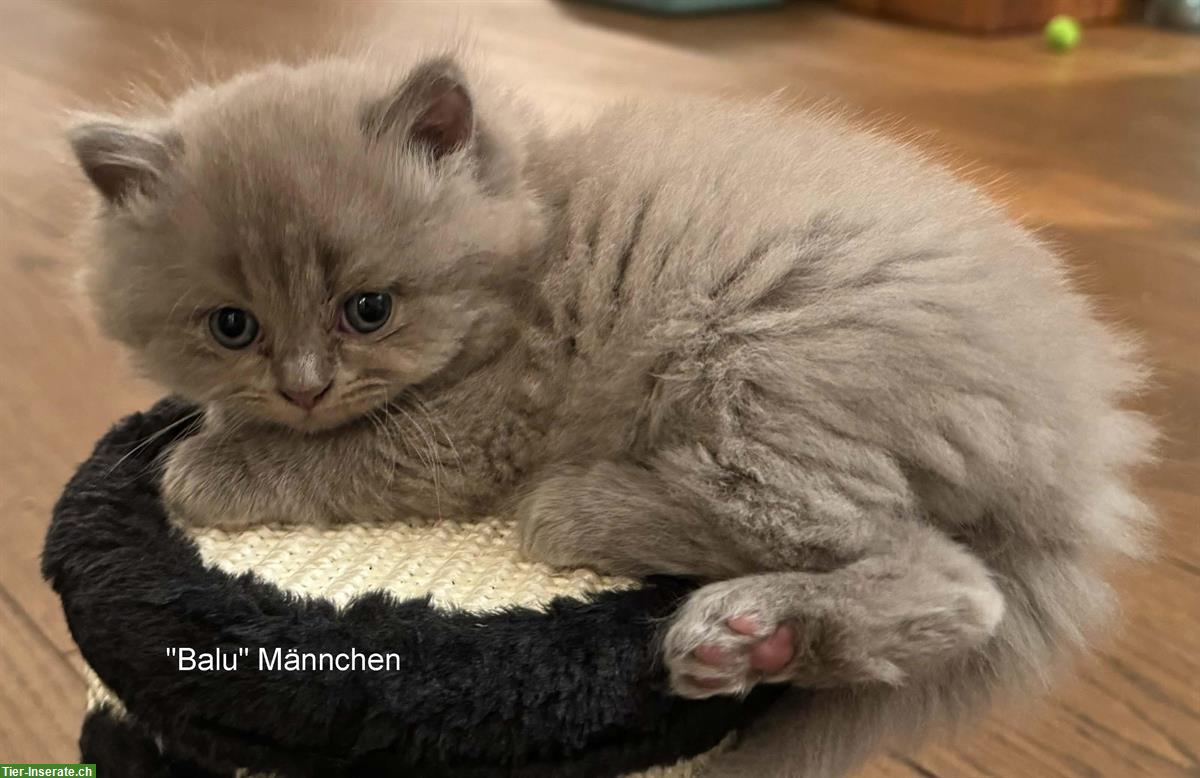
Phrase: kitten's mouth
(320, 419)
(307, 401)
(338, 412)
(336, 407)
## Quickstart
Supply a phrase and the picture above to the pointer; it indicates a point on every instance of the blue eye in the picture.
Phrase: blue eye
(367, 311)
(233, 327)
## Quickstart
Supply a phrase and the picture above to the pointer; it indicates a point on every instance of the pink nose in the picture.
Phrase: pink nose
(306, 399)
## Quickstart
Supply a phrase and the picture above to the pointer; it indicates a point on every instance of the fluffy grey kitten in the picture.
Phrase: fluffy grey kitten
(770, 351)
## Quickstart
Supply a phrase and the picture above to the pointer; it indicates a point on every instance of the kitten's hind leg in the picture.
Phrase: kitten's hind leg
(814, 598)
(623, 519)
(881, 619)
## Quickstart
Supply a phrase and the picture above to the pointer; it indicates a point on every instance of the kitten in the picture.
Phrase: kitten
(769, 351)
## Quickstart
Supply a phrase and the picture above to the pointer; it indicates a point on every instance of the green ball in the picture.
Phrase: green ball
(1063, 33)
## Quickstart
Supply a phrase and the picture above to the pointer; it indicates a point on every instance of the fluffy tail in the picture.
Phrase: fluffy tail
(1053, 605)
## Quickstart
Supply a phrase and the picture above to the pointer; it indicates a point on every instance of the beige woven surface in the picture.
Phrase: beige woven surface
(473, 565)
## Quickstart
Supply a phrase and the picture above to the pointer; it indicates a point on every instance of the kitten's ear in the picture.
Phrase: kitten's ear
(121, 160)
(432, 110)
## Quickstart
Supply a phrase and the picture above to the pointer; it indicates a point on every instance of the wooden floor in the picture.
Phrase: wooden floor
(1099, 150)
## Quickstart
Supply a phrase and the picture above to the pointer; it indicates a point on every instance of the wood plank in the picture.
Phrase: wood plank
(1097, 150)
(41, 694)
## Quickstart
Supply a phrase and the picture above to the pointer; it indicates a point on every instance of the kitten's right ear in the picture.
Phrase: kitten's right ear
(432, 110)
(121, 160)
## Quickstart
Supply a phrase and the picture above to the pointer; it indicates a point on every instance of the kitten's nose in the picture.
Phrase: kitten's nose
(306, 398)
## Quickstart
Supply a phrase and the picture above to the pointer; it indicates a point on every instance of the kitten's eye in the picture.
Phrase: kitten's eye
(367, 311)
(233, 327)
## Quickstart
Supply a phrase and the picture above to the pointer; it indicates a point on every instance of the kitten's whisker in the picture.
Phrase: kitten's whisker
(385, 434)
(395, 430)
(433, 420)
(361, 387)
(377, 425)
(234, 419)
(436, 461)
(193, 416)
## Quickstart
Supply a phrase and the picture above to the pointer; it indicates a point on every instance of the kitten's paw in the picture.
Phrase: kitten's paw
(720, 643)
(182, 484)
(200, 489)
(550, 529)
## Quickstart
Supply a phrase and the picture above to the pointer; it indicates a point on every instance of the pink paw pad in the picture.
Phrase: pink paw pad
(772, 653)
(741, 664)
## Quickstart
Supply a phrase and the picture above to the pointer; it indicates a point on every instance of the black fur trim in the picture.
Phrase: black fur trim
(571, 691)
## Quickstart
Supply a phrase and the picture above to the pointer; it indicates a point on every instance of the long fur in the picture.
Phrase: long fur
(772, 350)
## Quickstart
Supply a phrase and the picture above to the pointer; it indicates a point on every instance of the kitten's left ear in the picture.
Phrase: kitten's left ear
(121, 160)
(432, 110)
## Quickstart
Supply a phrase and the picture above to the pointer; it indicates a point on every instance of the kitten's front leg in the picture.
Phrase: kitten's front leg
(214, 479)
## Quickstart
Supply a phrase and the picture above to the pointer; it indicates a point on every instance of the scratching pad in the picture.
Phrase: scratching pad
(487, 665)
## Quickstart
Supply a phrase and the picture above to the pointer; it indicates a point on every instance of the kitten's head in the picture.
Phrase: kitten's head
(299, 245)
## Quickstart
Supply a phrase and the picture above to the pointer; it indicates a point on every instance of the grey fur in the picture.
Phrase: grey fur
(774, 351)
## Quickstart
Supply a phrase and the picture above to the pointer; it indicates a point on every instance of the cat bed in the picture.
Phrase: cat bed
(470, 661)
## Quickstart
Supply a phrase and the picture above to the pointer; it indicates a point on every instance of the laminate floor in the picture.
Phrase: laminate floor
(1099, 150)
